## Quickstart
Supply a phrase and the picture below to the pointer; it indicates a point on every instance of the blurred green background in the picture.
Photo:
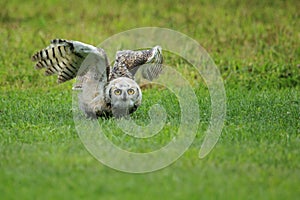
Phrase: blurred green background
(256, 46)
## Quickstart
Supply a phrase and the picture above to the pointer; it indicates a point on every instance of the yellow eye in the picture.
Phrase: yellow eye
(118, 92)
(130, 91)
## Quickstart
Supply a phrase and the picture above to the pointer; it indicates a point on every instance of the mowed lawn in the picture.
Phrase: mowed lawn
(256, 46)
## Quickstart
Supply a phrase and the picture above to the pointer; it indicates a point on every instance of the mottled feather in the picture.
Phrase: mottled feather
(127, 62)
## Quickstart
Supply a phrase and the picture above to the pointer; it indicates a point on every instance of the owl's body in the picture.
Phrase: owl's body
(105, 90)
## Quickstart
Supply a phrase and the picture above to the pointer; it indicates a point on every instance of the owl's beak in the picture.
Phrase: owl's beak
(124, 96)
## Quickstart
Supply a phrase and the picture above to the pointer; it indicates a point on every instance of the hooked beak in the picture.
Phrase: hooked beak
(124, 96)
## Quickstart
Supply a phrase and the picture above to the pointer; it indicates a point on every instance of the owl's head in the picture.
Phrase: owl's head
(124, 95)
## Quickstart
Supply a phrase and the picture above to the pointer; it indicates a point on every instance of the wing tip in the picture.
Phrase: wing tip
(38, 66)
(35, 57)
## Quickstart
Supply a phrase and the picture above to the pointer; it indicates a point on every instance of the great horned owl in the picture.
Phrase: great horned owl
(105, 90)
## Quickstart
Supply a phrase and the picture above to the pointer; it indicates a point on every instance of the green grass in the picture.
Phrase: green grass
(256, 46)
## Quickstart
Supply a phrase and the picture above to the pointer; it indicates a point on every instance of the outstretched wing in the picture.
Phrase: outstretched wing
(68, 59)
(127, 63)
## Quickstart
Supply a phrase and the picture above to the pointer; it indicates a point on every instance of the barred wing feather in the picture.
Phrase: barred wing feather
(66, 57)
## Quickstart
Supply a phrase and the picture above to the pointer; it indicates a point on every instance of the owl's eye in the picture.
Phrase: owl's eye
(118, 92)
(130, 91)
